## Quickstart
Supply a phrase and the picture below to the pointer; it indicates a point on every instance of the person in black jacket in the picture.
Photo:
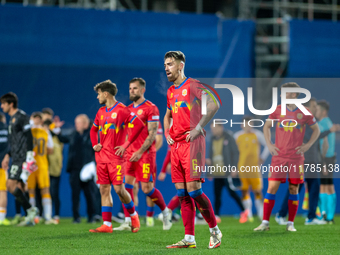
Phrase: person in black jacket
(224, 152)
(80, 153)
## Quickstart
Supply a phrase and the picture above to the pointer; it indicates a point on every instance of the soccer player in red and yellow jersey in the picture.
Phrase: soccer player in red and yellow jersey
(43, 145)
(287, 156)
(141, 155)
(187, 139)
(112, 121)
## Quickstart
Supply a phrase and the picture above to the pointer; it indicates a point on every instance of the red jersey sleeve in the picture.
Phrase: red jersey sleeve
(197, 89)
(153, 115)
(310, 120)
(276, 114)
(94, 131)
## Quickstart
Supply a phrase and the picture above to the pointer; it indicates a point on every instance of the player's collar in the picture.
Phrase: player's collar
(293, 110)
(139, 104)
(111, 107)
(182, 83)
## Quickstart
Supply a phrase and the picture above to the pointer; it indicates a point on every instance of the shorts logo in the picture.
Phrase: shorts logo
(299, 116)
(171, 95)
(101, 117)
(184, 92)
(114, 115)
(140, 112)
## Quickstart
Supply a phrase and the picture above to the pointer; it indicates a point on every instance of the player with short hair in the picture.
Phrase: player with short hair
(43, 145)
(141, 155)
(327, 196)
(3, 172)
(249, 141)
(21, 152)
(187, 139)
(112, 122)
(287, 152)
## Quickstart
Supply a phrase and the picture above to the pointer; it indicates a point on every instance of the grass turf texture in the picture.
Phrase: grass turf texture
(68, 238)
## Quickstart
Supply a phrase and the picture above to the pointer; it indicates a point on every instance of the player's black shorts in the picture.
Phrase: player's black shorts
(15, 171)
(329, 164)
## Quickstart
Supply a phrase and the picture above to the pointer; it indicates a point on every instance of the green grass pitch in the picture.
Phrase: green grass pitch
(68, 238)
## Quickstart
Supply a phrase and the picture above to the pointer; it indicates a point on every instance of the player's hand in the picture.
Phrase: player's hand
(161, 176)
(169, 140)
(273, 150)
(335, 128)
(192, 135)
(57, 122)
(97, 147)
(120, 150)
(136, 156)
(302, 149)
(5, 162)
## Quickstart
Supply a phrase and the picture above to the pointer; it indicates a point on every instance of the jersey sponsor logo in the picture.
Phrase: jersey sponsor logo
(184, 92)
(299, 116)
(140, 111)
(114, 115)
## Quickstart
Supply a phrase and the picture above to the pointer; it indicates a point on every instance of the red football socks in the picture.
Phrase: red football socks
(174, 203)
(157, 198)
(268, 204)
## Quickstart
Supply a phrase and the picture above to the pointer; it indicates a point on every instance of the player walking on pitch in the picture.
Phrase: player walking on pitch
(141, 155)
(112, 121)
(186, 137)
(287, 152)
(21, 151)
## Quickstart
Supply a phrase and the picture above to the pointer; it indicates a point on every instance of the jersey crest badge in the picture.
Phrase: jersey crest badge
(114, 115)
(184, 92)
(299, 116)
(140, 111)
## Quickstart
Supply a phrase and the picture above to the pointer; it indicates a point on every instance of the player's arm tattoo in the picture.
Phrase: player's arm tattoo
(212, 108)
(152, 129)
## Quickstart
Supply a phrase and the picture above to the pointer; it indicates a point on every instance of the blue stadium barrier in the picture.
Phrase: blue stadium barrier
(314, 49)
(53, 57)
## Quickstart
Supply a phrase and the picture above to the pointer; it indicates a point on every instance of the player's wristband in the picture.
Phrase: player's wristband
(126, 144)
(199, 128)
(29, 156)
(167, 132)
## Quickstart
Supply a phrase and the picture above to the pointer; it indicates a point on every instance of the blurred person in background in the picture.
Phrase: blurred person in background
(3, 173)
(21, 152)
(223, 151)
(43, 145)
(249, 141)
(55, 159)
(80, 154)
(327, 192)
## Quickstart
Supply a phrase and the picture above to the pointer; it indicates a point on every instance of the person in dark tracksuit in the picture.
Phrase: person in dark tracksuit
(223, 152)
(80, 153)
